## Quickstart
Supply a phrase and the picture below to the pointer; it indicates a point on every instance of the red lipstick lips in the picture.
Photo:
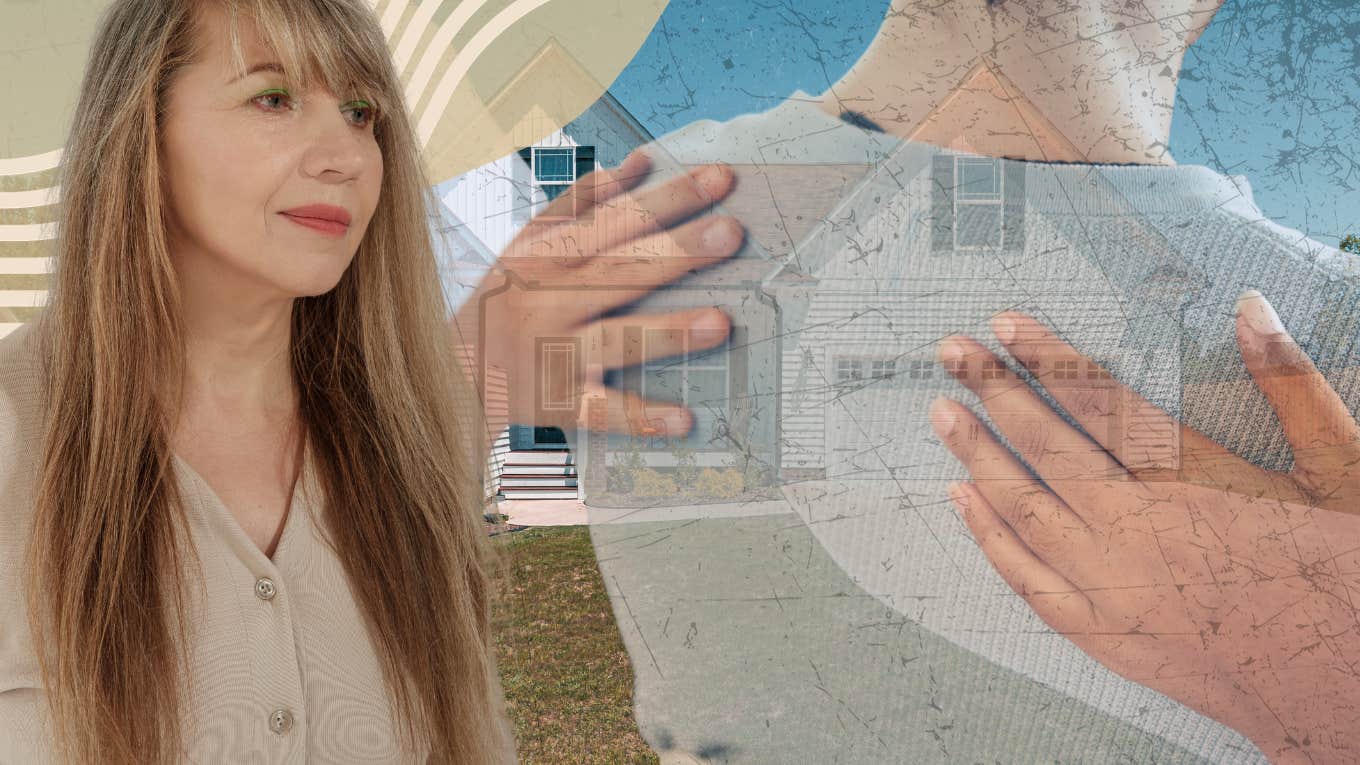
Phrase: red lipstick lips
(327, 219)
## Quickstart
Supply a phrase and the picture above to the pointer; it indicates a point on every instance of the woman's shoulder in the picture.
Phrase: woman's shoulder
(20, 382)
(20, 422)
(19, 364)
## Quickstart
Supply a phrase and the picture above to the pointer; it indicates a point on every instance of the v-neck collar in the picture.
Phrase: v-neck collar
(219, 518)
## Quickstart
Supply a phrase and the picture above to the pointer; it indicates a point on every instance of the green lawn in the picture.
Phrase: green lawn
(568, 683)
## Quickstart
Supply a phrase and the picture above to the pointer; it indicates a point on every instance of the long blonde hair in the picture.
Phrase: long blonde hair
(393, 424)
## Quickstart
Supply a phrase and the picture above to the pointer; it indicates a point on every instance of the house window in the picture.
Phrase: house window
(697, 377)
(849, 369)
(553, 170)
(884, 369)
(978, 213)
(958, 367)
(976, 204)
(1094, 372)
(921, 369)
(993, 369)
(1065, 370)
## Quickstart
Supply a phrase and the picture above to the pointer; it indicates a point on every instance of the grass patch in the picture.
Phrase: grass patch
(568, 682)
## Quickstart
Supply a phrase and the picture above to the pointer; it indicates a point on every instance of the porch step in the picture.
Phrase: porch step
(510, 492)
(538, 481)
(521, 468)
(540, 457)
(538, 474)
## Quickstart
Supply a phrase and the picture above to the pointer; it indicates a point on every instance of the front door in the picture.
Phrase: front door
(556, 398)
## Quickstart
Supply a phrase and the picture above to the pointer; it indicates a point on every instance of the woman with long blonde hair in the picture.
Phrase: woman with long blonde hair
(240, 484)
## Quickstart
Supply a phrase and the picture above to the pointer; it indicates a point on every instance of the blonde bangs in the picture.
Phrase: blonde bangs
(301, 37)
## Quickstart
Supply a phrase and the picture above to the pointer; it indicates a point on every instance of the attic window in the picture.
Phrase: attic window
(978, 211)
(554, 169)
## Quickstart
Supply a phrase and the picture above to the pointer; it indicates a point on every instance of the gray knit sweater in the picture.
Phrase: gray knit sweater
(1137, 266)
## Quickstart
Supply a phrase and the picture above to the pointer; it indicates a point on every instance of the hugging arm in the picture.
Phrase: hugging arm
(1235, 593)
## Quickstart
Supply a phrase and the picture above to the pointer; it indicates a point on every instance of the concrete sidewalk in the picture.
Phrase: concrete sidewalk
(543, 512)
(573, 512)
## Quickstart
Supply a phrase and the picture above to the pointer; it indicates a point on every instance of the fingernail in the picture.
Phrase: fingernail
(721, 235)
(950, 350)
(943, 417)
(1004, 326)
(713, 178)
(714, 321)
(1259, 314)
(958, 492)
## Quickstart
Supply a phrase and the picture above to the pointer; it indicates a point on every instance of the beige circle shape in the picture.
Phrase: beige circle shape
(483, 77)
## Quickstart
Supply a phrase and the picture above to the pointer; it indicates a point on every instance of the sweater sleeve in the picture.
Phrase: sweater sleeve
(24, 735)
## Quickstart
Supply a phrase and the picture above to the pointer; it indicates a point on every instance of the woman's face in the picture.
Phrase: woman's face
(239, 154)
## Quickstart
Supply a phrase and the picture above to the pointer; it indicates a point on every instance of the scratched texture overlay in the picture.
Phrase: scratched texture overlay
(791, 579)
(481, 78)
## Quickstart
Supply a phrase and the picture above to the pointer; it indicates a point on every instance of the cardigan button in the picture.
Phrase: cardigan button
(280, 721)
(264, 588)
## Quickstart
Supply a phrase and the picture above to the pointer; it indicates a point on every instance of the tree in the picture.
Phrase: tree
(1351, 244)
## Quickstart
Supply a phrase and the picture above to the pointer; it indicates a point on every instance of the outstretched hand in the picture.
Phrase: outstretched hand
(1235, 593)
(603, 243)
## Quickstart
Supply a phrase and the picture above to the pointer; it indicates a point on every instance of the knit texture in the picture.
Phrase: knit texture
(1137, 266)
(304, 650)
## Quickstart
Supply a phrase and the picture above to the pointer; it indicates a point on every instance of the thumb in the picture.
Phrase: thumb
(1317, 423)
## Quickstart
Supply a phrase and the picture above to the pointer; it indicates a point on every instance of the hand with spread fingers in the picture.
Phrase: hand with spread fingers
(1244, 606)
(603, 243)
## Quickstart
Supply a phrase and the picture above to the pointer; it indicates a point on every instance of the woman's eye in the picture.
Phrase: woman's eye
(267, 97)
(368, 111)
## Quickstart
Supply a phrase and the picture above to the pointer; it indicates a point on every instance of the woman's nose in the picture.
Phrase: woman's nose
(336, 149)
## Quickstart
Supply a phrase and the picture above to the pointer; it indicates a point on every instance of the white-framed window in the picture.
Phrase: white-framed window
(1065, 370)
(694, 375)
(979, 217)
(554, 169)
(878, 371)
(993, 369)
(848, 369)
(921, 369)
(1094, 372)
(551, 172)
(558, 362)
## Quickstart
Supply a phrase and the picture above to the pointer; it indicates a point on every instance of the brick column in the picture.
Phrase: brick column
(595, 446)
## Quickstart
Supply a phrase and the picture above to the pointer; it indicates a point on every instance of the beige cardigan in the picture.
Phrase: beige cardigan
(285, 672)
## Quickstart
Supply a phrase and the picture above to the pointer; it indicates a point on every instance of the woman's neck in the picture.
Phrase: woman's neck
(987, 114)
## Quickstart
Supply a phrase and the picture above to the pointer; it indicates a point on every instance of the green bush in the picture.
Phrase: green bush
(724, 484)
(756, 475)
(627, 461)
(618, 480)
(686, 468)
(649, 483)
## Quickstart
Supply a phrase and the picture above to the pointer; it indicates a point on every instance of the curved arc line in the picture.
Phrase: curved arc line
(392, 15)
(439, 45)
(443, 93)
(33, 163)
(26, 266)
(411, 36)
(24, 200)
(28, 232)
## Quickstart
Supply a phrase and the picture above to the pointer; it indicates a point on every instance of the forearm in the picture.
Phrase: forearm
(1309, 725)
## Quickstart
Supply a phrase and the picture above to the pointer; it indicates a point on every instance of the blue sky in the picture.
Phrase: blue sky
(1271, 91)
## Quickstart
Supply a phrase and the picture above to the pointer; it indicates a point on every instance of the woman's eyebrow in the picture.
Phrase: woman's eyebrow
(267, 66)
